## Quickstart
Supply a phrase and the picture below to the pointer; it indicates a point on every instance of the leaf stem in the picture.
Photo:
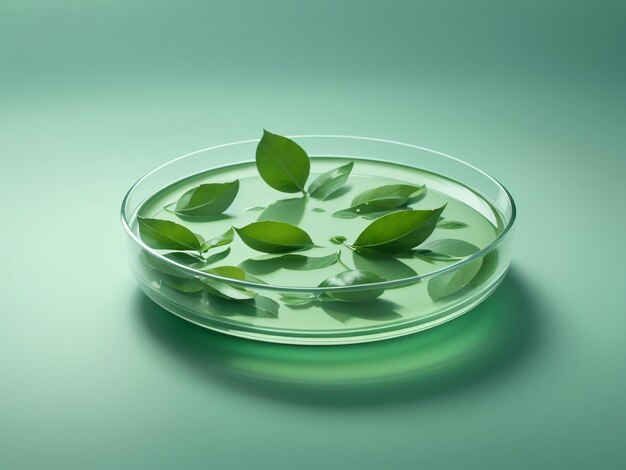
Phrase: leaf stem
(342, 263)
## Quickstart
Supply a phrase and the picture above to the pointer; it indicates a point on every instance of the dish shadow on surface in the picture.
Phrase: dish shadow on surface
(477, 347)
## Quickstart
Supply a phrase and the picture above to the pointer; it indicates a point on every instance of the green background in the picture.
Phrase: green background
(94, 94)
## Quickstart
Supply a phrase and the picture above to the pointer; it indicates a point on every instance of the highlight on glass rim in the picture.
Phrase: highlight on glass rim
(291, 241)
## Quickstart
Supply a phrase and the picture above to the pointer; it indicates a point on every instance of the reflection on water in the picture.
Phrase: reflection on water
(285, 210)
(486, 340)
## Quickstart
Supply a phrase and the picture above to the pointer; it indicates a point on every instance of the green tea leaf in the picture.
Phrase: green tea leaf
(373, 310)
(168, 235)
(215, 257)
(190, 285)
(264, 305)
(231, 272)
(386, 197)
(260, 306)
(207, 200)
(488, 269)
(381, 199)
(398, 231)
(308, 263)
(385, 265)
(282, 163)
(222, 289)
(446, 249)
(292, 262)
(297, 300)
(337, 239)
(285, 210)
(224, 239)
(274, 237)
(186, 259)
(451, 282)
(354, 278)
(172, 276)
(327, 183)
(376, 215)
(346, 214)
(451, 224)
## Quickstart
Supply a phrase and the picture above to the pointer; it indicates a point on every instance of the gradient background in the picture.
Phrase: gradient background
(94, 94)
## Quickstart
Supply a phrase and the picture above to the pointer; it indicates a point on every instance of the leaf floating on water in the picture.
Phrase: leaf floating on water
(398, 231)
(224, 239)
(376, 215)
(381, 199)
(318, 209)
(282, 163)
(215, 257)
(338, 239)
(274, 237)
(446, 249)
(327, 183)
(168, 235)
(207, 200)
(354, 278)
(346, 214)
(386, 197)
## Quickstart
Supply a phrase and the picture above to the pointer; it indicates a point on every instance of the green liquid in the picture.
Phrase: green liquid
(315, 217)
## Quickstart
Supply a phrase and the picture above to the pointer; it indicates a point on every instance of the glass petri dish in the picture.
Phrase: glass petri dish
(414, 295)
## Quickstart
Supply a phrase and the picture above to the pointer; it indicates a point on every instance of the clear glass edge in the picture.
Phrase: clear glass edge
(319, 290)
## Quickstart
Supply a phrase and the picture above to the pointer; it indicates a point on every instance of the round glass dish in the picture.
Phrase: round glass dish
(407, 304)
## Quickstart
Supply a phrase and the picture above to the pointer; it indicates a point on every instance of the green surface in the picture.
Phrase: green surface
(93, 94)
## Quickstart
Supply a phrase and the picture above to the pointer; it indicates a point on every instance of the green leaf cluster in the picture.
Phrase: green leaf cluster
(382, 199)
(396, 230)
(285, 166)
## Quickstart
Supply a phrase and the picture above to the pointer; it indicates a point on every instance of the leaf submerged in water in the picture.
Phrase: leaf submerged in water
(446, 249)
(223, 289)
(292, 262)
(453, 281)
(353, 277)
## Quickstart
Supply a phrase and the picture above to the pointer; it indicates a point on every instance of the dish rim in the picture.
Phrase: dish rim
(318, 290)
